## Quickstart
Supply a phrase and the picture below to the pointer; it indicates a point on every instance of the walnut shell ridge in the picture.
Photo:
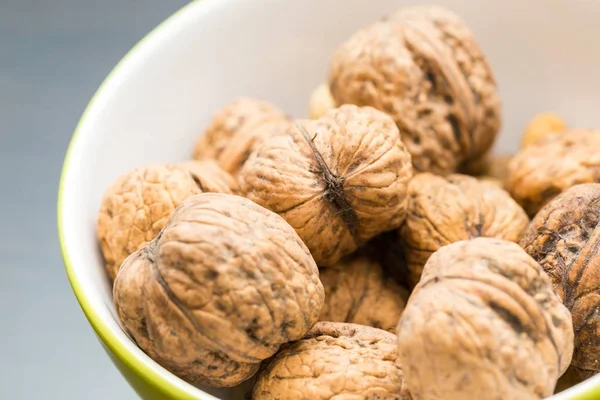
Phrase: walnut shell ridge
(334, 361)
(504, 329)
(357, 291)
(422, 66)
(339, 180)
(564, 237)
(540, 172)
(237, 129)
(221, 288)
(444, 210)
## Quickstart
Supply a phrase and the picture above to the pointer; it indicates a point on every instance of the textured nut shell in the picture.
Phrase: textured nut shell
(339, 181)
(237, 129)
(333, 361)
(223, 286)
(320, 102)
(210, 177)
(423, 67)
(540, 172)
(504, 330)
(137, 206)
(444, 210)
(564, 237)
(357, 291)
(540, 126)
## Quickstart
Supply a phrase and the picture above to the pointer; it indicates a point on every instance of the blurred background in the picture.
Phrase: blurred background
(53, 55)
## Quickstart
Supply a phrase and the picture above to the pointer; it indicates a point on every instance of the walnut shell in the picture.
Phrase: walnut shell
(422, 66)
(357, 291)
(489, 166)
(237, 129)
(483, 319)
(444, 210)
(136, 207)
(334, 361)
(339, 180)
(210, 177)
(540, 126)
(564, 238)
(224, 284)
(320, 102)
(540, 172)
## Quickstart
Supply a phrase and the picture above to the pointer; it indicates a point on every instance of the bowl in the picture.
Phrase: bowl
(154, 105)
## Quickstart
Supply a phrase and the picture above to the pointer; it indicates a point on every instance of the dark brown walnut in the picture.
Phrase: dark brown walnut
(564, 237)
(237, 129)
(334, 361)
(444, 210)
(210, 177)
(339, 180)
(541, 171)
(357, 291)
(221, 288)
(484, 322)
(137, 206)
(422, 66)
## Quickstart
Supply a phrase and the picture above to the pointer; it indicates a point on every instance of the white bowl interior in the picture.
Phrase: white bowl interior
(155, 106)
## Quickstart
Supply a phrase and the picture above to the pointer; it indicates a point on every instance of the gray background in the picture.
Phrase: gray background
(53, 55)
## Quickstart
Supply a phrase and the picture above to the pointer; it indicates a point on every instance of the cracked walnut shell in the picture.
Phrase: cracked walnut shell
(357, 291)
(237, 129)
(444, 210)
(222, 287)
(564, 237)
(484, 319)
(422, 66)
(541, 171)
(334, 361)
(339, 180)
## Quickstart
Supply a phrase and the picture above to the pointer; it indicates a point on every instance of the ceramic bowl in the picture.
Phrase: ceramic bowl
(155, 103)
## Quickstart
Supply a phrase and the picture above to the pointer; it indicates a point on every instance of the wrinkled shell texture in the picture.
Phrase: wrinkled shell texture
(334, 361)
(223, 286)
(444, 210)
(357, 291)
(540, 126)
(237, 129)
(540, 172)
(422, 66)
(339, 180)
(210, 177)
(564, 237)
(484, 319)
(320, 102)
(137, 206)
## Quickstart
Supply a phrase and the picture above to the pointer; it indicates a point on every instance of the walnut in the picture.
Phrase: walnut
(334, 361)
(540, 126)
(210, 177)
(489, 166)
(357, 291)
(444, 210)
(221, 288)
(564, 238)
(540, 172)
(422, 66)
(237, 129)
(339, 180)
(320, 102)
(136, 207)
(483, 319)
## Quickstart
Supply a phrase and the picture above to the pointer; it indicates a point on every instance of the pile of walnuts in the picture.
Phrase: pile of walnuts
(377, 249)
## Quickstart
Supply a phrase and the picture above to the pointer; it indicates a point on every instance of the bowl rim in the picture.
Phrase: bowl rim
(175, 388)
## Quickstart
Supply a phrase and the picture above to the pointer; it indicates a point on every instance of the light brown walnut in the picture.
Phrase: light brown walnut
(540, 172)
(334, 361)
(357, 291)
(237, 129)
(339, 180)
(422, 66)
(444, 210)
(564, 237)
(210, 177)
(221, 288)
(320, 102)
(542, 125)
(483, 323)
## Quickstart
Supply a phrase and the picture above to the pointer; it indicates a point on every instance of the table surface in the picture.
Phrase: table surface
(53, 56)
